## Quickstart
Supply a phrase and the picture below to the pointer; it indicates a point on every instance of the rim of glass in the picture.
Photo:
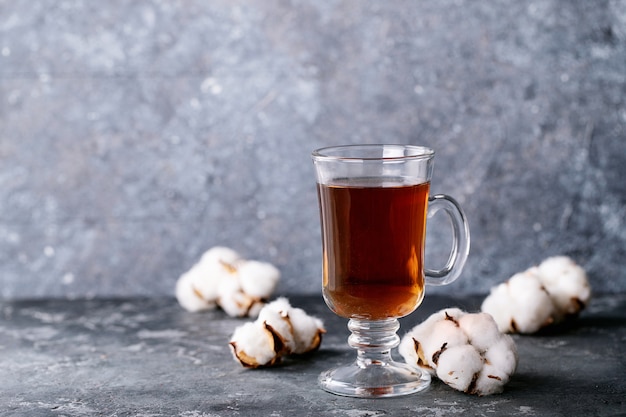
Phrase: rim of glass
(332, 153)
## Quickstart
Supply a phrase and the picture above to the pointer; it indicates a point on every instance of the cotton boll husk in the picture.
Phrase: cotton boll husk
(567, 284)
(307, 331)
(190, 298)
(458, 366)
(254, 345)
(258, 279)
(481, 329)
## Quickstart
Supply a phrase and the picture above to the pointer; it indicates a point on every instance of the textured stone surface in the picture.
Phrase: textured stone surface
(135, 135)
(151, 358)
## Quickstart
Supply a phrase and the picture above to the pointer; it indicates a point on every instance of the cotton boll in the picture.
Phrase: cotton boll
(567, 284)
(411, 351)
(292, 331)
(502, 355)
(459, 366)
(444, 335)
(489, 382)
(529, 305)
(222, 277)
(237, 304)
(215, 266)
(498, 304)
(533, 306)
(280, 322)
(418, 345)
(307, 331)
(234, 301)
(258, 279)
(190, 298)
(540, 296)
(500, 363)
(481, 329)
(466, 351)
(299, 332)
(253, 345)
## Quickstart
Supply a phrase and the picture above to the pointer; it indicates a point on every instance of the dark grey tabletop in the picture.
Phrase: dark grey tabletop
(148, 357)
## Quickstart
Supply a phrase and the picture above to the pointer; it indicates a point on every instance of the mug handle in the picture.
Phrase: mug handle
(460, 240)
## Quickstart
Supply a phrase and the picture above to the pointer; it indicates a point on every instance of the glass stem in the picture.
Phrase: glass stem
(373, 340)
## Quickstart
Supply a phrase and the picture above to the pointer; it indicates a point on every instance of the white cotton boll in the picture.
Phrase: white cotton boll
(258, 279)
(466, 351)
(307, 331)
(503, 356)
(236, 304)
(533, 305)
(418, 345)
(205, 277)
(459, 366)
(520, 304)
(481, 330)
(424, 327)
(567, 284)
(540, 296)
(408, 349)
(420, 331)
(489, 382)
(280, 323)
(215, 266)
(499, 305)
(189, 298)
(289, 330)
(500, 364)
(233, 301)
(444, 335)
(253, 345)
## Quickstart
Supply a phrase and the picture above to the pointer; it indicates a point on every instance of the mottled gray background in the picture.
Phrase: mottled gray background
(134, 135)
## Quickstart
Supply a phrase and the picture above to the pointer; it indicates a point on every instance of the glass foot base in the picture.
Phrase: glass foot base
(389, 379)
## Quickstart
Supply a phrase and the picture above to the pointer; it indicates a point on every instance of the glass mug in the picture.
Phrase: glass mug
(374, 202)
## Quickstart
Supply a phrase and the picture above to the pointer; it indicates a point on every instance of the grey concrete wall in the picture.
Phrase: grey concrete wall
(136, 134)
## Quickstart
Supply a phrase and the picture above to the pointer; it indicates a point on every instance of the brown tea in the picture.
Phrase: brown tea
(373, 232)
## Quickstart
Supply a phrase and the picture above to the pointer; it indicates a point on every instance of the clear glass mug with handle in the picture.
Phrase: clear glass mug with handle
(374, 203)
